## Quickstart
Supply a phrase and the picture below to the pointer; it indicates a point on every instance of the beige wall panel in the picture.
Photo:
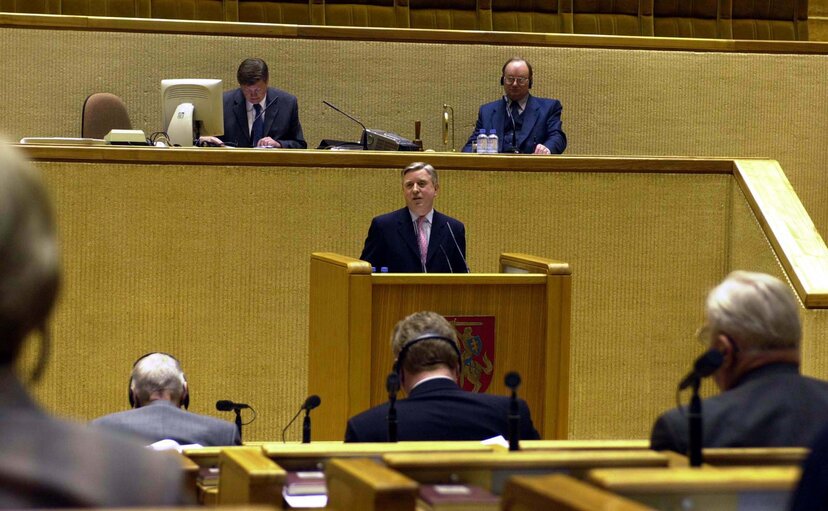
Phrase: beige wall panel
(212, 264)
(616, 102)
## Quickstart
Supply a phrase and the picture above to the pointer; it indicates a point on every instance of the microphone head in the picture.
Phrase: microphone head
(708, 363)
(512, 380)
(312, 402)
(224, 405)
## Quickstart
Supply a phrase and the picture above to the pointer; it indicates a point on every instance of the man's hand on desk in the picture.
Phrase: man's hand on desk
(210, 141)
(541, 149)
(268, 142)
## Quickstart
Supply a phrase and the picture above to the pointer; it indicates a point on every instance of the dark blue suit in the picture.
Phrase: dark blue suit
(812, 492)
(392, 242)
(281, 120)
(440, 410)
(771, 406)
(541, 125)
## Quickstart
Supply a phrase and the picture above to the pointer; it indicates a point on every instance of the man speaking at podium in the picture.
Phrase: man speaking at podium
(524, 123)
(416, 238)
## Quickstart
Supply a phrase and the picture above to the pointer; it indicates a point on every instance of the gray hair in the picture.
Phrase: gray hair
(419, 165)
(29, 262)
(758, 310)
(157, 372)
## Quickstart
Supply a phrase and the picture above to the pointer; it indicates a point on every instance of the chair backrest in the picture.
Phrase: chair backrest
(103, 112)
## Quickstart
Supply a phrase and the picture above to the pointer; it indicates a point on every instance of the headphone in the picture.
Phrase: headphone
(400, 362)
(185, 394)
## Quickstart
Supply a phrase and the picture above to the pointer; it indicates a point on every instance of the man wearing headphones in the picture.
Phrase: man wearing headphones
(524, 123)
(157, 392)
(46, 462)
(427, 361)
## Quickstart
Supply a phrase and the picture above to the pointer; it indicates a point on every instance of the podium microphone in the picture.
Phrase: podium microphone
(704, 366)
(392, 385)
(457, 246)
(225, 405)
(512, 380)
(310, 403)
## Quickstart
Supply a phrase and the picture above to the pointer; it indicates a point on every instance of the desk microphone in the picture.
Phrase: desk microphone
(512, 380)
(310, 403)
(448, 261)
(364, 129)
(225, 405)
(457, 245)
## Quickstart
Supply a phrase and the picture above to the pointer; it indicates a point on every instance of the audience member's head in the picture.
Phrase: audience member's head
(29, 263)
(516, 78)
(437, 354)
(753, 319)
(420, 187)
(253, 77)
(158, 376)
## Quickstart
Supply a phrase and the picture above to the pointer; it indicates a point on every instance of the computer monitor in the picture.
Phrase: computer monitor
(192, 108)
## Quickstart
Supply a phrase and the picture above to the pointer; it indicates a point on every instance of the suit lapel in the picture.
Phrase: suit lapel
(405, 227)
(530, 117)
(240, 112)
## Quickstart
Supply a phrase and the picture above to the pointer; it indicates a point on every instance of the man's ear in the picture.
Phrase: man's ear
(727, 347)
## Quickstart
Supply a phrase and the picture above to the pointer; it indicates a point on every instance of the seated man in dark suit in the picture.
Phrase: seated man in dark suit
(416, 238)
(812, 491)
(524, 123)
(256, 115)
(157, 391)
(46, 462)
(427, 360)
(753, 320)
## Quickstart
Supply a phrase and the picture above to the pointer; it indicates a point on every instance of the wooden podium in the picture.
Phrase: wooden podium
(352, 313)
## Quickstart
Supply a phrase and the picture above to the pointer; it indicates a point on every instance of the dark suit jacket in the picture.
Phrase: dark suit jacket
(162, 419)
(281, 120)
(48, 463)
(541, 125)
(392, 242)
(772, 406)
(812, 492)
(440, 410)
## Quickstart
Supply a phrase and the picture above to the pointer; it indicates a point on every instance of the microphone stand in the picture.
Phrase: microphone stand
(238, 421)
(514, 423)
(694, 447)
(306, 427)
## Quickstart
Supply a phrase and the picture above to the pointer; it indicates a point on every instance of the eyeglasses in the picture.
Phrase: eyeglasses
(510, 80)
(252, 89)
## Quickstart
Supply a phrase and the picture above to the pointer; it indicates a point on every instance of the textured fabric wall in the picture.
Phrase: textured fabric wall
(616, 102)
(212, 265)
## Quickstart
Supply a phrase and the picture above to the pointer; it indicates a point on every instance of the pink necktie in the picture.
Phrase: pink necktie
(421, 235)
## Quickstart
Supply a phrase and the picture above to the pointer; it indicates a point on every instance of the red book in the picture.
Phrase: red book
(457, 497)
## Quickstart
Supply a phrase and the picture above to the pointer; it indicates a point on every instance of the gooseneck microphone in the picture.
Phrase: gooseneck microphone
(448, 261)
(704, 366)
(392, 385)
(457, 246)
(310, 403)
(364, 140)
(225, 405)
(512, 380)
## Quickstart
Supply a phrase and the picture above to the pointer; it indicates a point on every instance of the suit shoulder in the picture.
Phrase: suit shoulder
(393, 216)
(281, 94)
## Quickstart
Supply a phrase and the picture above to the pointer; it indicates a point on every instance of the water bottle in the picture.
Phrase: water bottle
(492, 142)
(482, 142)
